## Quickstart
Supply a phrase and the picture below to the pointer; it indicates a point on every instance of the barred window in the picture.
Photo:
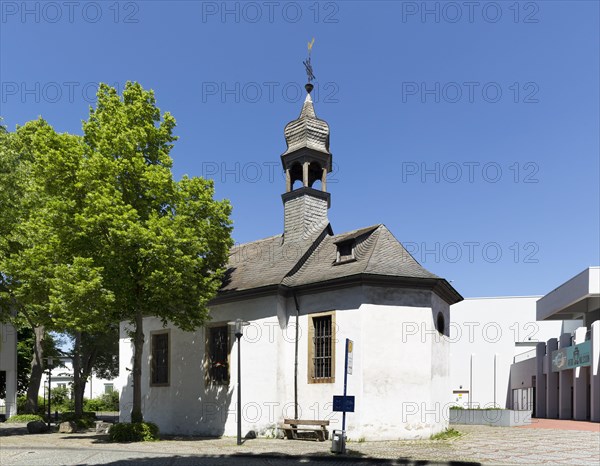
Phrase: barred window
(218, 346)
(322, 349)
(159, 368)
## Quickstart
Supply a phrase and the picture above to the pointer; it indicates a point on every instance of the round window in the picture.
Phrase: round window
(440, 323)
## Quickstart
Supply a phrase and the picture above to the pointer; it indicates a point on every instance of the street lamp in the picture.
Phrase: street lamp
(238, 330)
(49, 361)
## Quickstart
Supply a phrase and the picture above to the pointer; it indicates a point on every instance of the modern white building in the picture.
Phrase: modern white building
(487, 335)
(8, 370)
(538, 353)
(362, 285)
(562, 380)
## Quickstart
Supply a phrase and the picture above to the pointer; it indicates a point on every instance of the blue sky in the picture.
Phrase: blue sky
(470, 130)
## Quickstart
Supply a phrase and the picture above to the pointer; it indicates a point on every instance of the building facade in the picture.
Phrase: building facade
(8, 370)
(303, 293)
(62, 376)
(487, 335)
(562, 379)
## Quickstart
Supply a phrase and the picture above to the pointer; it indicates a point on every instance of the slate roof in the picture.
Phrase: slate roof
(307, 131)
(273, 262)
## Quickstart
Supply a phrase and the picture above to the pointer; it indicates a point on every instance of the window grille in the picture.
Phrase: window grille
(322, 355)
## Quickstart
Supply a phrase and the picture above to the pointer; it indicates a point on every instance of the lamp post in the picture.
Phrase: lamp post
(49, 361)
(238, 329)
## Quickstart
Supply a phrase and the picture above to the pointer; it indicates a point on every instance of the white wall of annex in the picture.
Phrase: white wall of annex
(483, 337)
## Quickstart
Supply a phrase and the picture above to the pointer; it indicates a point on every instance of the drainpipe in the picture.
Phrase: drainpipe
(471, 382)
(296, 357)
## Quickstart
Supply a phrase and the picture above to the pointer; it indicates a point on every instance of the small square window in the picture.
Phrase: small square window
(345, 251)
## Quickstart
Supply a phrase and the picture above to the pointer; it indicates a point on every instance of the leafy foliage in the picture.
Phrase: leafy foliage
(22, 401)
(94, 230)
(162, 244)
(133, 432)
(106, 402)
(59, 395)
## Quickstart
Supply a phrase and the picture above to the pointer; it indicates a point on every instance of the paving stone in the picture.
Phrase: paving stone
(479, 444)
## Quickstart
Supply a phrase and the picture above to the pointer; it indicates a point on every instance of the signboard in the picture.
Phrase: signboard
(572, 356)
(343, 403)
(350, 344)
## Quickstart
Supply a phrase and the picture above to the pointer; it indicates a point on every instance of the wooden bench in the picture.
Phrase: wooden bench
(291, 427)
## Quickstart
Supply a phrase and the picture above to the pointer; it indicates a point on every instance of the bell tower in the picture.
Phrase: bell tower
(307, 160)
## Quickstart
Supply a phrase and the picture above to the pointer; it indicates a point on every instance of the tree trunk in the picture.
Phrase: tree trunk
(37, 369)
(88, 359)
(78, 386)
(138, 348)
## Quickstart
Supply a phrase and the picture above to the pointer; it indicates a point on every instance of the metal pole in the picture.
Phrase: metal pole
(495, 355)
(296, 358)
(345, 383)
(49, 393)
(239, 391)
(471, 382)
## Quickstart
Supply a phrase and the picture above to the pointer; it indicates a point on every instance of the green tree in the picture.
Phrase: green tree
(29, 238)
(47, 283)
(162, 244)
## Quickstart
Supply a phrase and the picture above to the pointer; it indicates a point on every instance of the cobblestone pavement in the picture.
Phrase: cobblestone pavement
(478, 445)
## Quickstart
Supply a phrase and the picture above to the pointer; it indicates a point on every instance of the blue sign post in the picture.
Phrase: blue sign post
(345, 403)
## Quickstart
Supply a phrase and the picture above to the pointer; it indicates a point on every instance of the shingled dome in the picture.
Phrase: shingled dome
(307, 131)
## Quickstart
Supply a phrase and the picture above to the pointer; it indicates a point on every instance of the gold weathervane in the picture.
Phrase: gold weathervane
(307, 65)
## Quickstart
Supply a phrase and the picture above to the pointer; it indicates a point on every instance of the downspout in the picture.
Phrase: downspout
(296, 357)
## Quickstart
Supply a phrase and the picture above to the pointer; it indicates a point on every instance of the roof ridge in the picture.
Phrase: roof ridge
(315, 244)
(373, 227)
(237, 245)
(406, 250)
(374, 247)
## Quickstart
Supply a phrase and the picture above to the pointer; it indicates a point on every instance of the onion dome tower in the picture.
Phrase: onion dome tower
(307, 160)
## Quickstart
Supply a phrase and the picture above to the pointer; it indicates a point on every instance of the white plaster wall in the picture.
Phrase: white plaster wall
(389, 371)
(488, 328)
(8, 363)
(186, 406)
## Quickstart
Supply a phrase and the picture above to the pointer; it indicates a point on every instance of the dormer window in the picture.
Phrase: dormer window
(345, 251)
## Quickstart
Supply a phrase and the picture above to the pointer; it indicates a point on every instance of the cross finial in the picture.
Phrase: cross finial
(308, 66)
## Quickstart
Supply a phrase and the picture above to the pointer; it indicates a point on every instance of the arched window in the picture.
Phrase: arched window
(296, 176)
(315, 172)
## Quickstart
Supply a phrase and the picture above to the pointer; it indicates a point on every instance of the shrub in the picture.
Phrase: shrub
(67, 405)
(133, 432)
(25, 418)
(94, 404)
(106, 402)
(60, 395)
(110, 401)
(22, 401)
